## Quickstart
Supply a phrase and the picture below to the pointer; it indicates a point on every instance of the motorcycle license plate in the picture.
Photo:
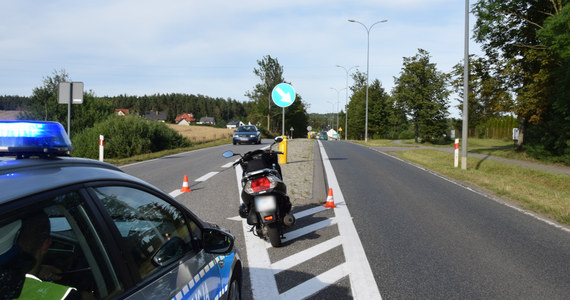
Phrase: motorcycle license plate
(264, 203)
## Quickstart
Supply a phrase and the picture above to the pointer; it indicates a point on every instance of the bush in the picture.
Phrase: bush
(126, 137)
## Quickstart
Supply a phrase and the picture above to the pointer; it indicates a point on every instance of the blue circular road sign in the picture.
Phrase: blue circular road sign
(283, 95)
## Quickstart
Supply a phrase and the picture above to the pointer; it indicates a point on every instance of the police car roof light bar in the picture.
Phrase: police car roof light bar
(33, 138)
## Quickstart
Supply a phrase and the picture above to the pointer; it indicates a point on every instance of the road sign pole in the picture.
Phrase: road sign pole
(69, 110)
(283, 96)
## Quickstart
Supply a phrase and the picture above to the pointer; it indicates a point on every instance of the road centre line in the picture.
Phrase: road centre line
(362, 282)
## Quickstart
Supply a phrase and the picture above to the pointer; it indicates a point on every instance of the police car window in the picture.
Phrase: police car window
(60, 246)
(154, 232)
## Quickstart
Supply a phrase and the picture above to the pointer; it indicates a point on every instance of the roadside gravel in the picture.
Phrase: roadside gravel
(303, 173)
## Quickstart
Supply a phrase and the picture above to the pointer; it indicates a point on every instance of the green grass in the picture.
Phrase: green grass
(537, 191)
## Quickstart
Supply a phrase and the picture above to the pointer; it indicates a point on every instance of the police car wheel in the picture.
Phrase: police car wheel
(234, 292)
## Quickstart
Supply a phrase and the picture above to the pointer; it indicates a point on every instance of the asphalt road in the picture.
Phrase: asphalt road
(428, 238)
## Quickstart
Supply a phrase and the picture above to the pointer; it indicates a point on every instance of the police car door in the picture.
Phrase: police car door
(156, 239)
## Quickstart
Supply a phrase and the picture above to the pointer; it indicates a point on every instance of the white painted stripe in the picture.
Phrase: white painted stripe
(206, 177)
(263, 283)
(175, 193)
(362, 280)
(317, 283)
(305, 255)
(228, 165)
(308, 212)
(289, 236)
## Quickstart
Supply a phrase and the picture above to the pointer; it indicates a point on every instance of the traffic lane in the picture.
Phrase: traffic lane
(167, 173)
(427, 237)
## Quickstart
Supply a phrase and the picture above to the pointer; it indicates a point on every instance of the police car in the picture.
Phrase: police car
(111, 235)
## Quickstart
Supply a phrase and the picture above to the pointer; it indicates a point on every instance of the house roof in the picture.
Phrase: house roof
(155, 115)
(207, 119)
(234, 122)
(185, 116)
(123, 110)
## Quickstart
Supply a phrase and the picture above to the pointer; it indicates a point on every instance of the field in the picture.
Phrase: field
(202, 133)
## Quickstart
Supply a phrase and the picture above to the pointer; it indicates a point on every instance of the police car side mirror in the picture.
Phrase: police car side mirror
(169, 252)
(217, 241)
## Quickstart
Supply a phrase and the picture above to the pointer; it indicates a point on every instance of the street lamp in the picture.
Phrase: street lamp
(346, 105)
(337, 102)
(367, 71)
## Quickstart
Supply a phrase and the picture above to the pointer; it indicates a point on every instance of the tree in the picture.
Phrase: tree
(488, 93)
(421, 92)
(271, 74)
(44, 104)
(380, 108)
(507, 30)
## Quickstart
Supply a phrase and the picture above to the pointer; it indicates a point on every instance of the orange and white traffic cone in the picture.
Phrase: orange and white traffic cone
(330, 200)
(185, 187)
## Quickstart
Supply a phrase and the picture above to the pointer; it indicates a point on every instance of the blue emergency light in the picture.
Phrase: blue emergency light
(33, 138)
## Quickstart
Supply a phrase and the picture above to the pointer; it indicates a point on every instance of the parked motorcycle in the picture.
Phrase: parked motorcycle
(265, 202)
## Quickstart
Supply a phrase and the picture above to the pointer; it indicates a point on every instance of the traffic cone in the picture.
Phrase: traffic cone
(185, 187)
(330, 200)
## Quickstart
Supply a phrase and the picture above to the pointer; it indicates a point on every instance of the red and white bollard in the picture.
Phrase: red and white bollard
(101, 139)
(456, 164)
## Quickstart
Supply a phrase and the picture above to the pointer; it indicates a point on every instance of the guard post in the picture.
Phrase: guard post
(283, 148)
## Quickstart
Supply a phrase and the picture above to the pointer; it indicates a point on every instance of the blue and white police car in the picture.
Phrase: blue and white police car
(110, 235)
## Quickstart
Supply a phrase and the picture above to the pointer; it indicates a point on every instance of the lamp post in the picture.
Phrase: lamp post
(346, 105)
(464, 131)
(367, 71)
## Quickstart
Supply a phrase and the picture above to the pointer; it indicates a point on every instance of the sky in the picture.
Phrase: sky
(143, 47)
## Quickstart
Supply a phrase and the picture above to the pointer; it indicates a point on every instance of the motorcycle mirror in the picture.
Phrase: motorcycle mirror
(279, 139)
(228, 154)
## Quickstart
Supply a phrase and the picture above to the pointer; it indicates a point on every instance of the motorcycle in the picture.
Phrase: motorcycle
(266, 205)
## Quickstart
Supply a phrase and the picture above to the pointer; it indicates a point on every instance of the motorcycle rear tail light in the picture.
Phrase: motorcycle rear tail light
(259, 185)
(268, 218)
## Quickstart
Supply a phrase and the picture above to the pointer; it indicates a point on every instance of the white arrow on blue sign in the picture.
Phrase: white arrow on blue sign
(283, 95)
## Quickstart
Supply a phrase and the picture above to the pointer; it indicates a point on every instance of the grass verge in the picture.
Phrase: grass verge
(537, 191)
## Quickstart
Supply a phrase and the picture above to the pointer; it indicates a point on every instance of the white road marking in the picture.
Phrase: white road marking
(304, 255)
(228, 165)
(317, 283)
(175, 193)
(206, 177)
(310, 211)
(295, 234)
(362, 280)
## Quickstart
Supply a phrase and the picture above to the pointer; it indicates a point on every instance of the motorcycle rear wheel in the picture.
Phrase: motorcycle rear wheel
(274, 236)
